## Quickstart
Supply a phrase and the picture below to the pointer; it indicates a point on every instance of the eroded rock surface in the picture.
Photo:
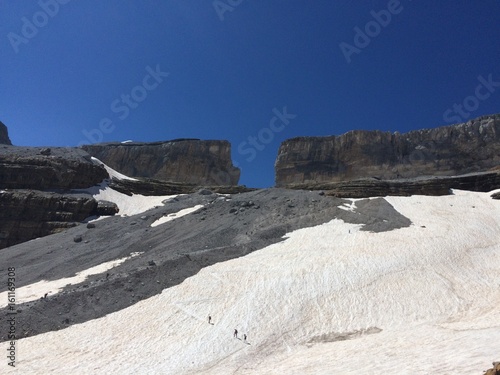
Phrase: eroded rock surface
(28, 214)
(191, 161)
(62, 168)
(445, 151)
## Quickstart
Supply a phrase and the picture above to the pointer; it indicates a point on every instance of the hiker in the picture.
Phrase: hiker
(235, 333)
(209, 319)
(245, 337)
(45, 295)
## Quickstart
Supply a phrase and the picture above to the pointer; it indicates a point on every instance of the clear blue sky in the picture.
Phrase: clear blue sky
(232, 64)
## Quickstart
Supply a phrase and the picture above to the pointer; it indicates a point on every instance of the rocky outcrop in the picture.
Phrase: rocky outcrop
(43, 168)
(107, 208)
(4, 135)
(445, 151)
(436, 186)
(28, 214)
(495, 370)
(151, 187)
(189, 161)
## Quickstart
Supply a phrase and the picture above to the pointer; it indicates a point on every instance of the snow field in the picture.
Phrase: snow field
(430, 288)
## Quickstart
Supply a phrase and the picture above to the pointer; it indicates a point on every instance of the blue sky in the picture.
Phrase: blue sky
(254, 72)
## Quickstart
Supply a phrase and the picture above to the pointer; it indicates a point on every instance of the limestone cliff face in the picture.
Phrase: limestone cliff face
(449, 150)
(28, 214)
(47, 168)
(4, 135)
(186, 160)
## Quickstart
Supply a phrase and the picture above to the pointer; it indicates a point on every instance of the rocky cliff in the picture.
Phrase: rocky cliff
(185, 160)
(4, 135)
(28, 214)
(445, 151)
(47, 168)
(436, 186)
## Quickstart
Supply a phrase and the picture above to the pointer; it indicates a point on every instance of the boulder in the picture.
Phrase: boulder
(106, 208)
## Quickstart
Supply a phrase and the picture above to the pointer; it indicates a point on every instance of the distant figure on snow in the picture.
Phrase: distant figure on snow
(45, 295)
(209, 319)
(245, 337)
(235, 333)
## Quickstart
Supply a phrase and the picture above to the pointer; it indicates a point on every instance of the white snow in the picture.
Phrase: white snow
(349, 207)
(35, 291)
(432, 289)
(128, 141)
(112, 173)
(176, 215)
(128, 205)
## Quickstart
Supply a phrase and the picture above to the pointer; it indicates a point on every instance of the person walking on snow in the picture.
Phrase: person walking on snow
(245, 337)
(209, 319)
(235, 333)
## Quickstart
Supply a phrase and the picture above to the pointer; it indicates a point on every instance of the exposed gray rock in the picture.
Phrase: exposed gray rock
(445, 151)
(204, 192)
(106, 208)
(65, 168)
(436, 186)
(28, 214)
(4, 135)
(180, 249)
(191, 161)
(148, 187)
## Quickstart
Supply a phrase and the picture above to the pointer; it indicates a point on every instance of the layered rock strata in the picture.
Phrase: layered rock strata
(445, 151)
(191, 161)
(151, 187)
(436, 186)
(39, 168)
(28, 214)
(27, 209)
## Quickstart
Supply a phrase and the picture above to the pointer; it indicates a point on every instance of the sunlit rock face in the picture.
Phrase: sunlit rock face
(186, 160)
(445, 151)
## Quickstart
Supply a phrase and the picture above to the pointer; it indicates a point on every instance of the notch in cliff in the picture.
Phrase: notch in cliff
(444, 151)
(192, 161)
(4, 135)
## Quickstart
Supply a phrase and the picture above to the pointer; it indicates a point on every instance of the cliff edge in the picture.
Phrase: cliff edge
(191, 161)
(444, 151)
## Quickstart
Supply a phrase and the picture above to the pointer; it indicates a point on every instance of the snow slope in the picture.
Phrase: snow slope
(328, 300)
(128, 205)
(35, 291)
(112, 173)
